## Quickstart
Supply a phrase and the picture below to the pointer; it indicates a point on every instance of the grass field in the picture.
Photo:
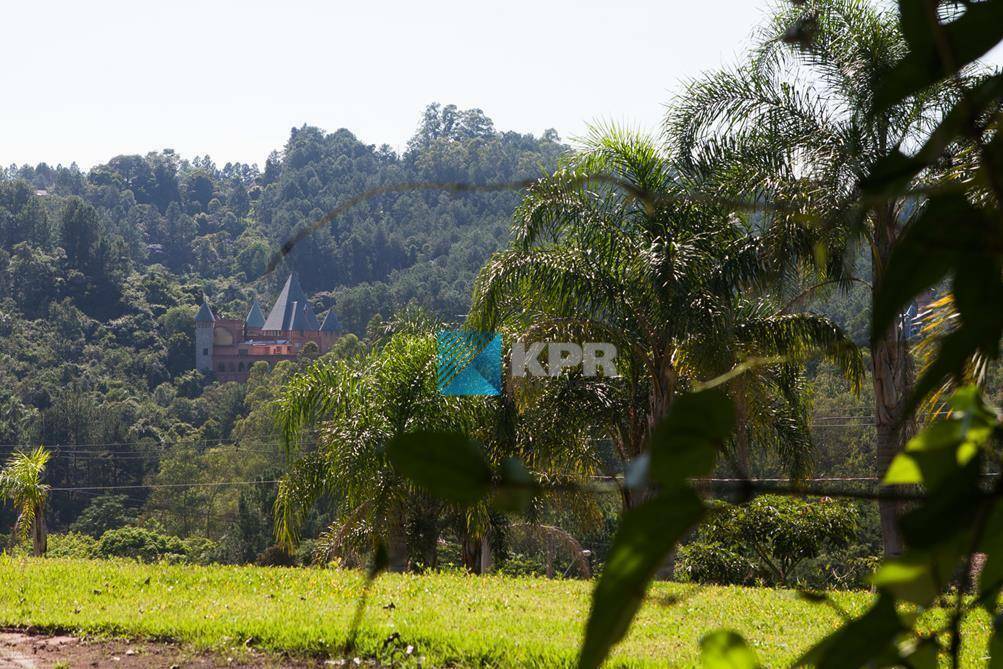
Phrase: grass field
(447, 618)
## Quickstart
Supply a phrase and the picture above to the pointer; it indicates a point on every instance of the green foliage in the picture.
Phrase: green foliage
(72, 545)
(712, 561)
(140, 544)
(21, 484)
(764, 540)
(106, 512)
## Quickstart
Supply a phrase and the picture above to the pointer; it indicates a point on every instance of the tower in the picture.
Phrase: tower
(204, 325)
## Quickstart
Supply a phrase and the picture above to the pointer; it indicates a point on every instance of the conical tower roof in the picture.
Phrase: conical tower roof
(255, 317)
(205, 314)
(291, 309)
(331, 322)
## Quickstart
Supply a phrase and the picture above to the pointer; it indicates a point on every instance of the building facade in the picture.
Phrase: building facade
(227, 347)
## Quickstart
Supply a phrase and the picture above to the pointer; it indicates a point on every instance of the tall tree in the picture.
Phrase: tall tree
(607, 249)
(794, 130)
(21, 482)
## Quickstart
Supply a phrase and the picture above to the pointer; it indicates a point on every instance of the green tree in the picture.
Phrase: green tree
(106, 512)
(607, 250)
(21, 483)
(22, 216)
(796, 129)
(359, 405)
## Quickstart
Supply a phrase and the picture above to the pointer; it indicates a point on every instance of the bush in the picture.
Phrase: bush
(713, 562)
(200, 550)
(304, 552)
(768, 539)
(275, 556)
(72, 545)
(141, 544)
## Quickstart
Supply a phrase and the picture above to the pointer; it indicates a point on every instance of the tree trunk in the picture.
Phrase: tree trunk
(397, 545)
(891, 369)
(470, 550)
(487, 561)
(40, 538)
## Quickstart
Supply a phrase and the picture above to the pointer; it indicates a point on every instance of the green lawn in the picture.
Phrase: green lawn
(448, 618)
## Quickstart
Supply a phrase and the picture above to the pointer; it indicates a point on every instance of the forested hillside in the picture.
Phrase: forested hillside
(101, 272)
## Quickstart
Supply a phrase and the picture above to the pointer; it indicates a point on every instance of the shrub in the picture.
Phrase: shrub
(200, 550)
(275, 556)
(72, 545)
(767, 539)
(714, 562)
(141, 544)
(305, 552)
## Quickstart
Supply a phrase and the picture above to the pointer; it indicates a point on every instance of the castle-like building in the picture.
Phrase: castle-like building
(228, 347)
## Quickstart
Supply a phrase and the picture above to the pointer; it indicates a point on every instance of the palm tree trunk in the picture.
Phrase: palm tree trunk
(39, 533)
(397, 544)
(487, 560)
(892, 379)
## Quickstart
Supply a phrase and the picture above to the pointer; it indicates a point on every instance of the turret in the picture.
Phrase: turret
(255, 317)
(205, 322)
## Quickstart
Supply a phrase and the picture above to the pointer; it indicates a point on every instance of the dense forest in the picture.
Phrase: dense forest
(101, 272)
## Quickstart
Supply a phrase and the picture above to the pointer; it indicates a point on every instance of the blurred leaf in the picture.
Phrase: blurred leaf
(516, 489)
(927, 250)
(859, 641)
(977, 31)
(724, 649)
(646, 535)
(947, 510)
(919, 576)
(447, 464)
(686, 442)
(893, 174)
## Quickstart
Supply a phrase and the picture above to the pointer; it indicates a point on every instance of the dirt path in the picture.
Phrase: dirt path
(21, 650)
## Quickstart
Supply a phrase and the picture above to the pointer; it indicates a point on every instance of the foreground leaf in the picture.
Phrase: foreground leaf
(859, 641)
(645, 538)
(686, 443)
(447, 464)
(933, 56)
(725, 649)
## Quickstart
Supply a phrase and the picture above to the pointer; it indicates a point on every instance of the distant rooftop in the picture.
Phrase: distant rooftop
(255, 317)
(292, 311)
(205, 314)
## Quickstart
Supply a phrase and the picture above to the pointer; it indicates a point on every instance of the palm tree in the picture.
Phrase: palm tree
(796, 130)
(361, 404)
(358, 406)
(610, 249)
(21, 482)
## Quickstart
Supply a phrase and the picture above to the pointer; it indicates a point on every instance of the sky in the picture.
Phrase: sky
(87, 81)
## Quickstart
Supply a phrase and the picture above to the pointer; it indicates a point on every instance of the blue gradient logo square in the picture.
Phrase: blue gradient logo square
(468, 362)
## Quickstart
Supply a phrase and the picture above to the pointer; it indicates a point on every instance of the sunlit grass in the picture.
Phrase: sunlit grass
(448, 618)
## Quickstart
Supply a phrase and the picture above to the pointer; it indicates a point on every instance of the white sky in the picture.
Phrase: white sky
(85, 81)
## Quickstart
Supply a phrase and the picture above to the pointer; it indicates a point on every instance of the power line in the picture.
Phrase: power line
(146, 486)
